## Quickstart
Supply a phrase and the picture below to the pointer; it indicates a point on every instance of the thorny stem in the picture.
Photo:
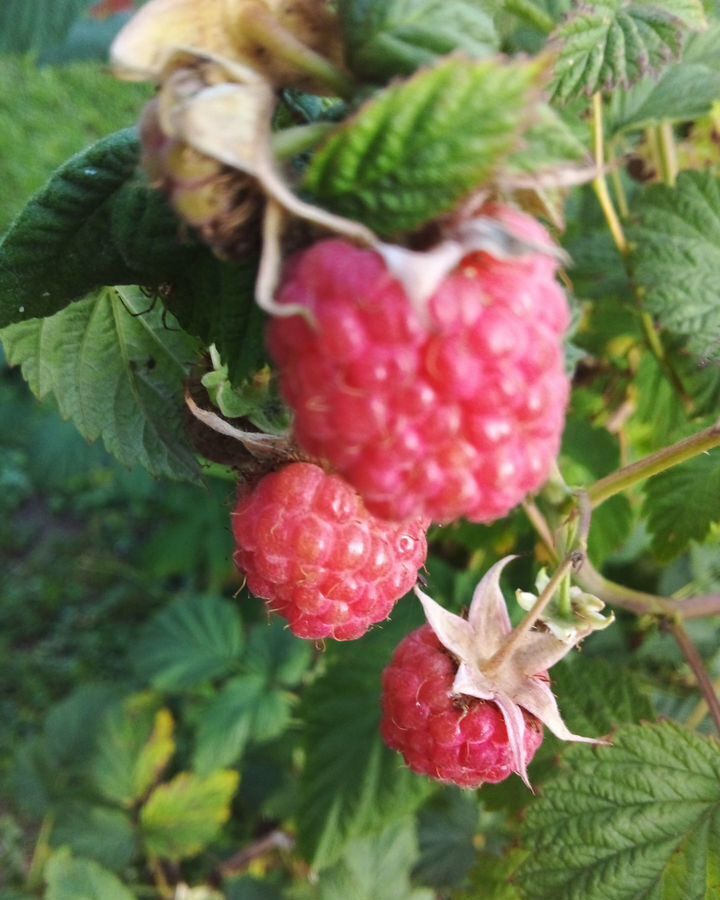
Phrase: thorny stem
(695, 661)
(653, 464)
(518, 633)
(530, 12)
(259, 25)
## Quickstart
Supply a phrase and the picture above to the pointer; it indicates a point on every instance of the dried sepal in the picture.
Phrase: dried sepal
(266, 35)
(515, 678)
(422, 272)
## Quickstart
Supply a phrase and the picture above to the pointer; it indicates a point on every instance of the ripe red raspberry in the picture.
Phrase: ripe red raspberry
(460, 415)
(309, 547)
(457, 740)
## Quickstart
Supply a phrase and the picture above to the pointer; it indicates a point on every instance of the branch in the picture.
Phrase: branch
(276, 840)
(642, 603)
(695, 661)
(655, 463)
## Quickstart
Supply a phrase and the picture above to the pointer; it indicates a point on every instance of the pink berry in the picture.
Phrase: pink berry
(458, 415)
(309, 547)
(456, 740)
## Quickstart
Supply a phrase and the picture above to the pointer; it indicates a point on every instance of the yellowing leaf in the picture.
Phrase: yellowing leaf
(183, 816)
(134, 746)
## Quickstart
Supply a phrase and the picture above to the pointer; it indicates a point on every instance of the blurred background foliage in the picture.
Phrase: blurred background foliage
(131, 685)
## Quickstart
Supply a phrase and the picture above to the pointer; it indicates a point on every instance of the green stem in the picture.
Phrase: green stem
(292, 141)
(653, 464)
(638, 602)
(651, 139)
(259, 25)
(530, 12)
(600, 183)
(620, 194)
(667, 154)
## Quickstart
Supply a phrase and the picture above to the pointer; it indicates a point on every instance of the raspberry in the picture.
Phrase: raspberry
(460, 415)
(456, 740)
(309, 547)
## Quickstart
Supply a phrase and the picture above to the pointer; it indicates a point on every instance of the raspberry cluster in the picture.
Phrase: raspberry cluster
(458, 740)
(309, 547)
(458, 415)
(455, 409)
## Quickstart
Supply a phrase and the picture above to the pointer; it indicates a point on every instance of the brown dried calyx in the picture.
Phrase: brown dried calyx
(290, 43)
(222, 204)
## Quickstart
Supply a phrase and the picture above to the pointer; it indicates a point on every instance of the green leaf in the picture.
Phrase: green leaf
(94, 223)
(682, 503)
(89, 105)
(81, 879)
(492, 876)
(549, 142)
(245, 708)
(420, 146)
(614, 43)
(376, 868)
(71, 726)
(447, 827)
(200, 543)
(134, 746)
(275, 653)
(676, 258)
(248, 888)
(215, 301)
(384, 39)
(183, 816)
(639, 819)
(596, 696)
(193, 640)
(117, 372)
(33, 25)
(352, 784)
(589, 453)
(104, 835)
(685, 92)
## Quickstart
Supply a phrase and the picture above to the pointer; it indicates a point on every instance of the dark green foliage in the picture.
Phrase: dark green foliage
(95, 223)
(451, 127)
(385, 39)
(677, 258)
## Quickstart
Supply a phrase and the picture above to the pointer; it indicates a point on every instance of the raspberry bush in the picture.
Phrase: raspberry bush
(430, 291)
